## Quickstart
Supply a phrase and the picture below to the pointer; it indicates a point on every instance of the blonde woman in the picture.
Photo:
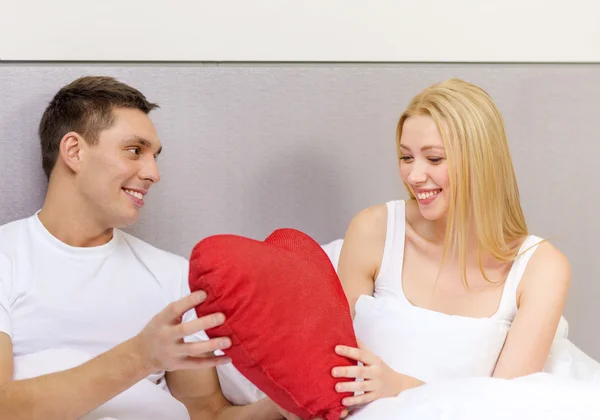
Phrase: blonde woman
(450, 283)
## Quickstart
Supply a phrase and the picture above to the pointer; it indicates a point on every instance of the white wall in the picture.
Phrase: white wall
(301, 30)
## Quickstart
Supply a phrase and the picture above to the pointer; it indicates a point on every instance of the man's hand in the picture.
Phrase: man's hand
(161, 343)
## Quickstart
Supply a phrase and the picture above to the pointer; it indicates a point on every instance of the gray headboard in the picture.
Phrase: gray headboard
(251, 148)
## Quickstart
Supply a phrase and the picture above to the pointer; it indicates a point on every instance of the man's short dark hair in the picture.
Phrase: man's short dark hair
(85, 106)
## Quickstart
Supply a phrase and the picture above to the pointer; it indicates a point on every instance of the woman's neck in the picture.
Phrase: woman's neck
(434, 231)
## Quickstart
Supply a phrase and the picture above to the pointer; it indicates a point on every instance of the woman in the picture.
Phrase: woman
(449, 283)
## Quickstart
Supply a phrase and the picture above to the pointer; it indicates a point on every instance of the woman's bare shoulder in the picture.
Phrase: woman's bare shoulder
(548, 271)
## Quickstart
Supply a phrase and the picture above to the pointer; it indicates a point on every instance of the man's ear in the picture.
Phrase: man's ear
(72, 149)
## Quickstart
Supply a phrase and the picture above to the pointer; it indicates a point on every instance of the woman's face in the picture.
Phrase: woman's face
(423, 166)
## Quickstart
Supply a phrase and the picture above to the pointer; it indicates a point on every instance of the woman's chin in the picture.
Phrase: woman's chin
(432, 213)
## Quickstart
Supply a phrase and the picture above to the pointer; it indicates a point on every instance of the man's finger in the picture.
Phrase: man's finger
(200, 324)
(201, 348)
(202, 362)
(175, 310)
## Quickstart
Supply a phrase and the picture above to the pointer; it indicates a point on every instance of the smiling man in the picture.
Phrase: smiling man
(88, 312)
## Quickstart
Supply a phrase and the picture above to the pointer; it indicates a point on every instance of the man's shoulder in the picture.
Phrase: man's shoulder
(12, 232)
(150, 252)
(12, 236)
(14, 226)
(169, 269)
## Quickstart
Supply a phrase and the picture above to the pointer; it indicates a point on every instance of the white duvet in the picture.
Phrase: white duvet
(569, 387)
(571, 392)
(539, 396)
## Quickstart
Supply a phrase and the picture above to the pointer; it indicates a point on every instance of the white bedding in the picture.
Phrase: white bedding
(569, 388)
(539, 396)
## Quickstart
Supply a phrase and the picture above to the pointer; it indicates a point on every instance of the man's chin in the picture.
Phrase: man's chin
(126, 221)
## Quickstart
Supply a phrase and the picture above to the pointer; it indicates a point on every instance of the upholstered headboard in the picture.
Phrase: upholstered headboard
(248, 149)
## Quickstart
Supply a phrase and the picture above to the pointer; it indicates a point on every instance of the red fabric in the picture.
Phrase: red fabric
(286, 311)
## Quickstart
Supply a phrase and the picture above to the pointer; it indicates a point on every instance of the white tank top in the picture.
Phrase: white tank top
(426, 344)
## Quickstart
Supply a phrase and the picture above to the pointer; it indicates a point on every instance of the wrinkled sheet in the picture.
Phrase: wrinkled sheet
(538, 396)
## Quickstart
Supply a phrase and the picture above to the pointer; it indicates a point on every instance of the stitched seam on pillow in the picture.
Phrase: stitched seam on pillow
(284, 389)
(232, 333)
(327, 261)
(262, 368)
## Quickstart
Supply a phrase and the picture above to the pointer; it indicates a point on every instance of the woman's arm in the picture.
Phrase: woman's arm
(541, 299)
(359, 264)
(362, 252)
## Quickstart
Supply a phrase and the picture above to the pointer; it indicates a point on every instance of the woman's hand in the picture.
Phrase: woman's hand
(379, 380)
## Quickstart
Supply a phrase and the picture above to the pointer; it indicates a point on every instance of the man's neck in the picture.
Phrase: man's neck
(70, 220)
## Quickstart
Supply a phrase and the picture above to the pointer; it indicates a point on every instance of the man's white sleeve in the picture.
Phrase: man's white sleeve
(5, 292)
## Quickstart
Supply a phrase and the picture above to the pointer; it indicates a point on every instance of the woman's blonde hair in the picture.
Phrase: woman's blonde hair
(483, 184)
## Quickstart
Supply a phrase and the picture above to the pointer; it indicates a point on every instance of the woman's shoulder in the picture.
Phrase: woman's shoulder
(545, 252)
(370, 225)
(548, 268)
(370, 221)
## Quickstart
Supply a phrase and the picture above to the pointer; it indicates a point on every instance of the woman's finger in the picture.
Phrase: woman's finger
(363, 356)
(352, 372)
(362, 386)
(359, 399)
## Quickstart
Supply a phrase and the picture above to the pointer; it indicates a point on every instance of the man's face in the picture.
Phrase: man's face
(117, 172)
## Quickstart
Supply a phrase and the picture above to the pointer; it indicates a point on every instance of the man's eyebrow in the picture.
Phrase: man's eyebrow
(142, 141)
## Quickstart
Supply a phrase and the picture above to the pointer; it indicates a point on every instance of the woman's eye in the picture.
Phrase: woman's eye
(435, 159)
(406, 158)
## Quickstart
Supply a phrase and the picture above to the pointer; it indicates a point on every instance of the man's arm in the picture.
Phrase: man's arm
(200, 392)
(6, 359)
(73, 393)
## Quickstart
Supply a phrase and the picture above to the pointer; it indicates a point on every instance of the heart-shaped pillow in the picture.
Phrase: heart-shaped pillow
(286, 311)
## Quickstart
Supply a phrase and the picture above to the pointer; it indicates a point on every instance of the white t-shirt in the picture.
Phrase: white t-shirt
(58, 299)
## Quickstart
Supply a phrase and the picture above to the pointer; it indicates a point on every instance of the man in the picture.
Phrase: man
(73, 284)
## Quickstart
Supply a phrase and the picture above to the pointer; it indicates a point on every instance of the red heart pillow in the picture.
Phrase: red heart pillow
(286, 311)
